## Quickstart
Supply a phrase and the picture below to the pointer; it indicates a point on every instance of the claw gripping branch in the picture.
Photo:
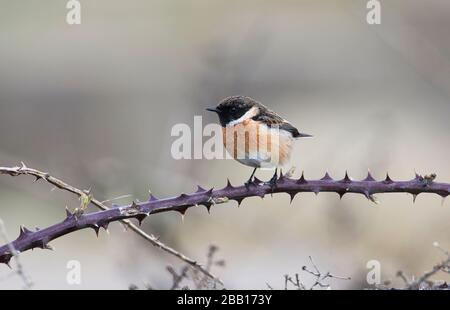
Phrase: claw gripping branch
(369, 186)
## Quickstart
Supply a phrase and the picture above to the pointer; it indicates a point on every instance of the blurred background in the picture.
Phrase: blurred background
(94, 104)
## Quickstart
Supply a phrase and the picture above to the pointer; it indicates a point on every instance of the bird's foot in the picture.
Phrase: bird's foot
(273, 181)
(250, 180)
(248, 183)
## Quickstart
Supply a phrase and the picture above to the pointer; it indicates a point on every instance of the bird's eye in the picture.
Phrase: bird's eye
(233, 109)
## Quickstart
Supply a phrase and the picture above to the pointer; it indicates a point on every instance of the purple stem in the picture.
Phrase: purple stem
(40, 238)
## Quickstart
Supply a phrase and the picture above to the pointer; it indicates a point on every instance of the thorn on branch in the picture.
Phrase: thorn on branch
(346, 178)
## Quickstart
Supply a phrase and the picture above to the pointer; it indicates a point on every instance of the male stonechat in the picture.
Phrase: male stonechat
(254, 135)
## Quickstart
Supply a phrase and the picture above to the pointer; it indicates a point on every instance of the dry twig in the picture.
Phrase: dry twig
(423, 280)
(319, 279)
(191, 279)
(86, 198)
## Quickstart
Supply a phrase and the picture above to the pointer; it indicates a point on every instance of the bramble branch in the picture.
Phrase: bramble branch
(19, 267)
(86, 198)
(140, 210)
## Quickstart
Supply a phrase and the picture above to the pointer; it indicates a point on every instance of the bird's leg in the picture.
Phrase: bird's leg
(250, 180)
(273, 181)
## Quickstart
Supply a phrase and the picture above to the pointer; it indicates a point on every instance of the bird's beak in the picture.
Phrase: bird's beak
(304, 135)
(213, 110)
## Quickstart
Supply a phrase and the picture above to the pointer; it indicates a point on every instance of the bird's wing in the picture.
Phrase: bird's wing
(272, 119)
(269, 118)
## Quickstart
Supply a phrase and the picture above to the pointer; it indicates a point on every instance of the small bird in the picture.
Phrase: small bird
(254, 135)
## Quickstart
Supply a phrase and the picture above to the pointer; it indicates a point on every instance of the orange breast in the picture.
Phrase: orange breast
(254, 140)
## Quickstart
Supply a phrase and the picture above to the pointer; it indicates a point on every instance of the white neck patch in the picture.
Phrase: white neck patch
(249, 114)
